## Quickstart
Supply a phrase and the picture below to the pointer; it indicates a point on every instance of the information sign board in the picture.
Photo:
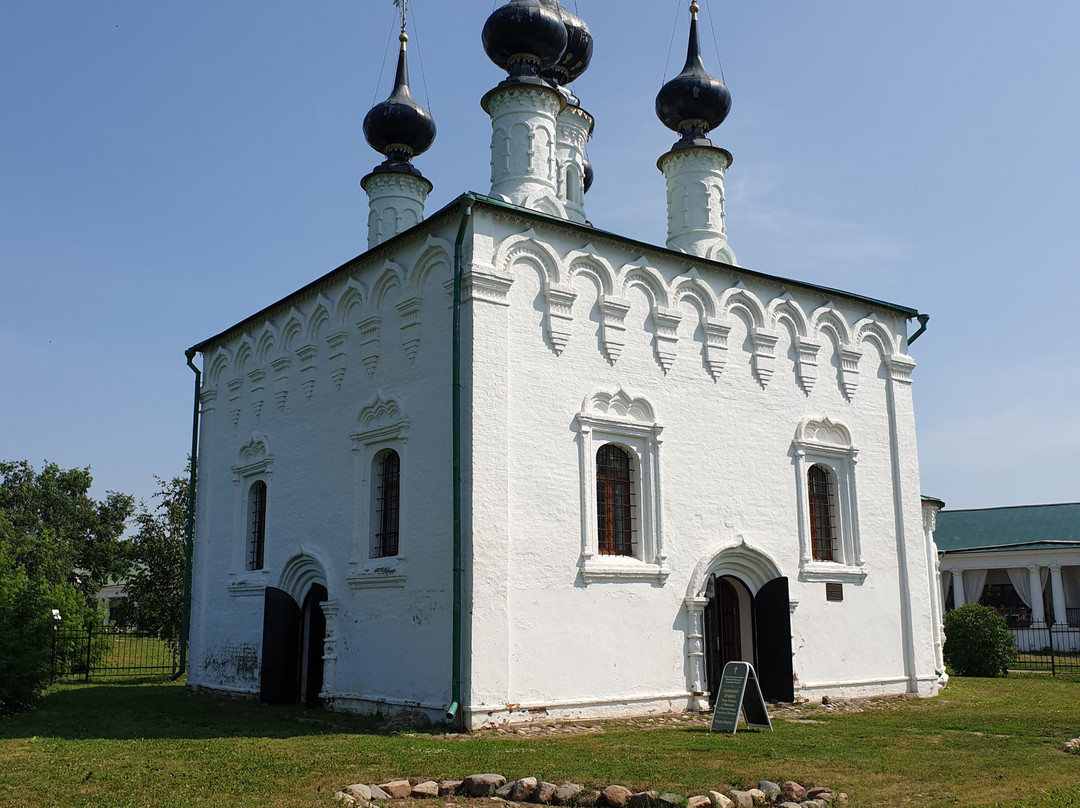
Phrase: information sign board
(739, 692)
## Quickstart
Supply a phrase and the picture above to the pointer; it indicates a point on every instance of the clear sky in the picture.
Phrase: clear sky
(167, 169)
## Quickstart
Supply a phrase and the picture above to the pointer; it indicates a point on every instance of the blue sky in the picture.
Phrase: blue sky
(168, 168)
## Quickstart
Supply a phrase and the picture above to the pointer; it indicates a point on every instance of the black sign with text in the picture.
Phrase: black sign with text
(736, 695)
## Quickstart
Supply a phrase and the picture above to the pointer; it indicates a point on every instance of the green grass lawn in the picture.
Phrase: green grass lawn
(983, 742)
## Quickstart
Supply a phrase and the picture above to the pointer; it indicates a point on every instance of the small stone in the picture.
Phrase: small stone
(758, 796)
(339, 796)
(377, 793)
(819, 793)
(721, 800)
(700, 801)
(742, 799)
(841, 799)
(544, 793)
(482, 785)
(503, 791)
(617, 796)
(825, 700)
(566, 793)
(397, 789)
(670, 800)
(447, 787)
(770, 788)
(815, 804)
(425, 791)
(643, 799)
(792, 791)
(789, 804)
(359, 791)
(1072, 747)
(523, 789)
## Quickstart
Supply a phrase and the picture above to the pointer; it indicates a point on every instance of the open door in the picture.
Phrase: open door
(723, 629)
(313, 632)
(774, 669)
(280, 648)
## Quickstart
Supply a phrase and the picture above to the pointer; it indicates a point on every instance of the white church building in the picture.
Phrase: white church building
(505, 465)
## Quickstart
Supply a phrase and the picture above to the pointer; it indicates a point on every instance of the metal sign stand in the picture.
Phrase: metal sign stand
(734, 697)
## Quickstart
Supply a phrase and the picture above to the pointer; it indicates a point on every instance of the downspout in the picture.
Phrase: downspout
(923, 320)
(453, 710)
(189, 529)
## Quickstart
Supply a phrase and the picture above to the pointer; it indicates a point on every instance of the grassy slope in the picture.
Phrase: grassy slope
(981, 743)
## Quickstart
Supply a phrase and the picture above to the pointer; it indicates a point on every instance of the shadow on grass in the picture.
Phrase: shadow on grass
(167, 710)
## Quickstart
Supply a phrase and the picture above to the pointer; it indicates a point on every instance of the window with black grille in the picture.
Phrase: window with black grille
(256, 525)
(388, 503)
(614, 501)
(822, 490)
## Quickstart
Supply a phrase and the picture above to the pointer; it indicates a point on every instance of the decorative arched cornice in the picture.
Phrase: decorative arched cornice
(292, 330)
(785, 309)
(638, 274)
(302, 571)
(219, 364)
(739, 297)
(587, 263)
(827, 320)
(823, 431)
(352, 297)
(390, 276)
(268, 340)
(379, 412)
(619, 405)
(436, 252)
(244, 354)
(692, 286)
(320, 316)
(526, 248)
(870, 329)
(256, 449)
(735, 558)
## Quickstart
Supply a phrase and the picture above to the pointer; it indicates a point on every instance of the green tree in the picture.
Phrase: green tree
(57, 545)
(155, 585)
(58, 531)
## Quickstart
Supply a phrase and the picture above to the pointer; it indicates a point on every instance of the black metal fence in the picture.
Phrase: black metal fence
(1050, 650)
(102, 652)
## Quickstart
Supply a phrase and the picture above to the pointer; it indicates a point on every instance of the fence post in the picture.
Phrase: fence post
(89, 648)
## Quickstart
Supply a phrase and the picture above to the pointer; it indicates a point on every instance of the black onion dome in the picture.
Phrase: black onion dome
(525, 37)
(589, 176)
(399, 127)
(693, 103)
(578, 54)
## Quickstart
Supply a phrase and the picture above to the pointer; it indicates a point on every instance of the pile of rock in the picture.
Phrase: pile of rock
(531, 790)
(1072, 747)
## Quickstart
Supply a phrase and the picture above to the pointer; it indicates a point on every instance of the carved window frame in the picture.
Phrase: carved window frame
(826, 443)
(641, 440)
(255, 464)
(367, 570)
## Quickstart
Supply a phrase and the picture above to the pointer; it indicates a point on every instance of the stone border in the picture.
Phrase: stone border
(530, 790)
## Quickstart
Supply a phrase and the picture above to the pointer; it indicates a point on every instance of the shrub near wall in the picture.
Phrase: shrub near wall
(978, 641)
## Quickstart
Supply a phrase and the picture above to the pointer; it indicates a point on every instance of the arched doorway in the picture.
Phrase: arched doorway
(740, 609)
(294, 631)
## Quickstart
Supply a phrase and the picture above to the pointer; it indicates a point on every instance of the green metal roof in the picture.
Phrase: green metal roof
(1035, 527)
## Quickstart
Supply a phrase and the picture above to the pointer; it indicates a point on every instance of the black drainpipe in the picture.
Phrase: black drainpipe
(189, 529)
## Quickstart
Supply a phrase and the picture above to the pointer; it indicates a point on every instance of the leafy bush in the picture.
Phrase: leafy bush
(978, 641)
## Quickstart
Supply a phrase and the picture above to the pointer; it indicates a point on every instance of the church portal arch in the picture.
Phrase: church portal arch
(738, 607)
(294, 634)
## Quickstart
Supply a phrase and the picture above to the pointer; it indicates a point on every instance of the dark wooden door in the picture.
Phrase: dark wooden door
(775, 671)
(723, 636)
(313, 633)
(280, 648)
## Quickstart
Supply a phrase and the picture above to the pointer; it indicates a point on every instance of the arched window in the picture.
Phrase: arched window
(821, 489)
(388, 504)
(614, 501)
(256, 525)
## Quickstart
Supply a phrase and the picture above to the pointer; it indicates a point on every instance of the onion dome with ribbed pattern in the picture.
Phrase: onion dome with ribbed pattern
(578, 54)
(399, 127)
(525, 37)
(693, 103)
